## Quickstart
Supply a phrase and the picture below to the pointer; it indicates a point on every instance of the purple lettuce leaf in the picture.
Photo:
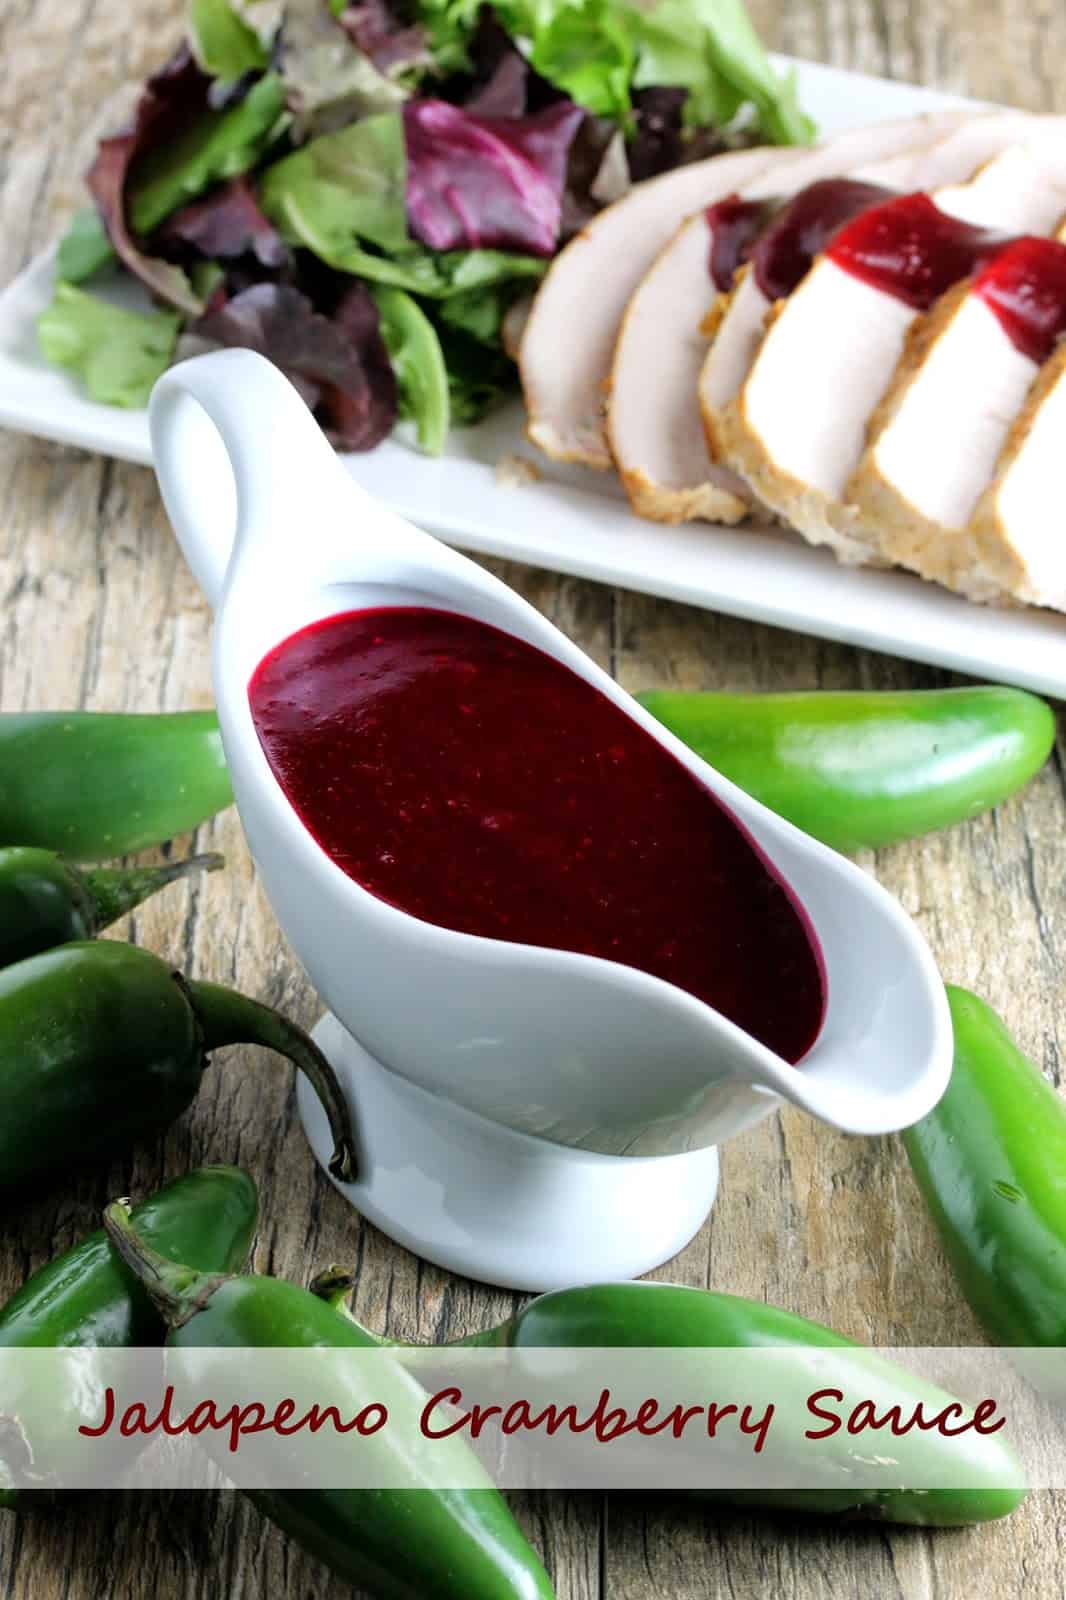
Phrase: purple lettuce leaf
(223, 226)
(501, 90)
(339, 363)
(501, 83)
(360, 423)
(499, 79)
(587, 154)
(389, 40)
(170, 99)
(487, 182)
(659, 140)
(656, 143)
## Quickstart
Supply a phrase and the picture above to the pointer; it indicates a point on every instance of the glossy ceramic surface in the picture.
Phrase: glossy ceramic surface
(568, 1051)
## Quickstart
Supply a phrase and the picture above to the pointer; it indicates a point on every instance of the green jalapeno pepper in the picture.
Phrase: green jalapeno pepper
(95, 785)
(990, 1161)
(414, 1543)
(989, 1484)
(857, 769)
(44, 901)
(986, 1485)
(87, 1298)
(101, 1044)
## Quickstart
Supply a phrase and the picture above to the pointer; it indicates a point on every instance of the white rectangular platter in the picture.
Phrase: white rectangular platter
(578, 522)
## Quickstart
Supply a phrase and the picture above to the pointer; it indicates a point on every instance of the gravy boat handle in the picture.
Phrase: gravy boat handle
(242, 463)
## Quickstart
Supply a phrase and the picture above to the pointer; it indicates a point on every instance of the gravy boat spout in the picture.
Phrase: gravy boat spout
(500, 1085)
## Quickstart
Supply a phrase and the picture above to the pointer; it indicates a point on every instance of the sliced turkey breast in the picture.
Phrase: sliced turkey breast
(978, 141)
(981, 527)
(779, 260)
(1013, 537)
(935, 439)
(565, 354)
(653, 423)
(797, 429)
(1023, 187)
(737, 328)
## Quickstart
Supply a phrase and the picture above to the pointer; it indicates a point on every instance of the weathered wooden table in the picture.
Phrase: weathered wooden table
(100, 611)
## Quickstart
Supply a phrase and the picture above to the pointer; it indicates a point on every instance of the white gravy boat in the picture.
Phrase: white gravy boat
(527, 1116)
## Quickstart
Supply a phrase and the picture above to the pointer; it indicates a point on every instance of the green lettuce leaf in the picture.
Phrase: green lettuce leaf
(479, 311)
(711, 48)
(589, 50)
(218, 145)
(342, 187)
(449, 25)
(463, 270)
(117, 354)
(420, 271)
(222, 41)
(418, 362)
(670, 55)
(480, 375)
(85, 248)
(348, 190)
(206, 277)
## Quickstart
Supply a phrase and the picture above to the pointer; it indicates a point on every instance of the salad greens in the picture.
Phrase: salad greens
(418, 362)
(341, 188)
(222, 42)
(479, 375)
(720, 32)
(338, 361)
(601, 50)
(218, 145)
(590, 50)
(85, 248)
(119, 354)
(363, 190)
(330, 78)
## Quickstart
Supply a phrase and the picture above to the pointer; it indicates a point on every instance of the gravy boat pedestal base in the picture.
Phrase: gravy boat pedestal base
(496, 1205)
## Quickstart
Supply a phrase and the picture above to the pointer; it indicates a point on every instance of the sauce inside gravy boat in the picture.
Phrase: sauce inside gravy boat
(518, 1098)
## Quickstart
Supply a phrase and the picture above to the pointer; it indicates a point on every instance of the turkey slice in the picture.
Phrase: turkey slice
(653, 422)
(797, 429)
(936, 438)
(738, 329)
(565, 353)
(1013, 537)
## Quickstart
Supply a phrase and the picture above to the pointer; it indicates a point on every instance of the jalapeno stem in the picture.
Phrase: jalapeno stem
(226, 1017)
(333, 1285)
(115, 890)
(177, 1292)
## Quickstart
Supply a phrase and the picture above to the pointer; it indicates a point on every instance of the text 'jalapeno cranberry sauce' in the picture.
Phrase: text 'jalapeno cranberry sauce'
(471, 780)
